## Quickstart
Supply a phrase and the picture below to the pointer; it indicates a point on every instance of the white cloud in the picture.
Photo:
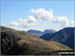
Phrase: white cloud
(72, 23)
(40, 13)
(2, 25)
(62, 21)
(14, 23)
(21, 20)
(43, 14)
(20, 29)
(29, 21)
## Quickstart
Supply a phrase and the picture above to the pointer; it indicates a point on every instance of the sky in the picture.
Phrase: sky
(37, 15)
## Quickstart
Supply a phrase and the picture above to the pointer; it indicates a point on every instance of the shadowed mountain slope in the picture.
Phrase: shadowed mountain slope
(47, 36)
(64, 36)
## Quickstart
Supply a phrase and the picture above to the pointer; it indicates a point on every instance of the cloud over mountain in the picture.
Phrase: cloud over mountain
(72, 23)
(30, 20)
(62, 21)
(42, 14)
(14, 23)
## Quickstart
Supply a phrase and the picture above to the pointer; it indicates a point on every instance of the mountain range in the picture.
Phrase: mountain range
(39, 33)
(64, 36)
(14, 42)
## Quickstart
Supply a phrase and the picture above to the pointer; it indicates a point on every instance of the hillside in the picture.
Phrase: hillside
(15, 42)
(64, 36)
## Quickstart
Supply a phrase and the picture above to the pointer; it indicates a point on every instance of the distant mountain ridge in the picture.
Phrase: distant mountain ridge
(64, 36)
(49, 31)
(39, 33)
(35, 32)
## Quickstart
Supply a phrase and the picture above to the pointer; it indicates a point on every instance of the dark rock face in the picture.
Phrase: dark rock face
(47, 36)
(64, 36)
(8, 42)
